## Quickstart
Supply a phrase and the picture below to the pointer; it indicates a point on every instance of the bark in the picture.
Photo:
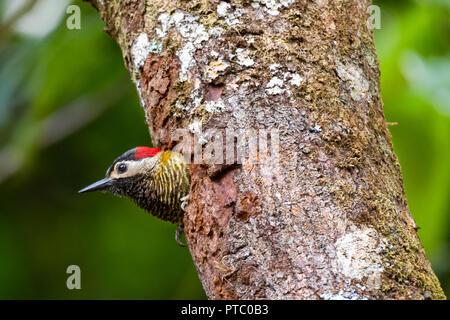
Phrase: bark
(329, 220)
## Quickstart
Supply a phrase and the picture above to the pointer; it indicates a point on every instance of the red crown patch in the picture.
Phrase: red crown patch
(145, 152)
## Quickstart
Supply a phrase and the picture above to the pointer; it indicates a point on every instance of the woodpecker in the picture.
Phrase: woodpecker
(158, 181)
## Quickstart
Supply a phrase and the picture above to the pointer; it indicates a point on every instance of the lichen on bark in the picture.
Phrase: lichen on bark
(329, 220)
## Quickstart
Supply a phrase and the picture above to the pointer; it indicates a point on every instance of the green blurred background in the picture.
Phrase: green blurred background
(68, 108)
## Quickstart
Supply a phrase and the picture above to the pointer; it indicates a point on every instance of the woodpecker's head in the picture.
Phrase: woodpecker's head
(127, 172)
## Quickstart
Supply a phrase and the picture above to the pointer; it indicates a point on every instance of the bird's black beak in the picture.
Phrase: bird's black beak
(99, 185)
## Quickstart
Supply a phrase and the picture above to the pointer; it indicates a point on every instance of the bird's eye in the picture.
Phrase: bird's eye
(122, 168)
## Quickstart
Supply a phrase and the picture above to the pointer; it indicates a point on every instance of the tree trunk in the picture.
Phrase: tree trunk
(328, 219)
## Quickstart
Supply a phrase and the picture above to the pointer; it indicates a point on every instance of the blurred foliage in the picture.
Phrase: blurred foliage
(68, 108)
(414, 54)
(47, 85)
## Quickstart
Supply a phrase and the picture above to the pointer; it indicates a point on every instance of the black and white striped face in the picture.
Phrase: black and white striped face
(126, 170)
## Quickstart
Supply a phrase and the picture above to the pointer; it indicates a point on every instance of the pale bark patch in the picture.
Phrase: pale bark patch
(358, 255)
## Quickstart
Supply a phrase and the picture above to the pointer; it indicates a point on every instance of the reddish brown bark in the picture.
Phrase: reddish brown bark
(329, 220)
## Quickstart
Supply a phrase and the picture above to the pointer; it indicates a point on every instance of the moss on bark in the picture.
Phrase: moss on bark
(331, 219)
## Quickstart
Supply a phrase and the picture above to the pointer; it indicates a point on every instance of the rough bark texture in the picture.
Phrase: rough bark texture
(330, 219)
